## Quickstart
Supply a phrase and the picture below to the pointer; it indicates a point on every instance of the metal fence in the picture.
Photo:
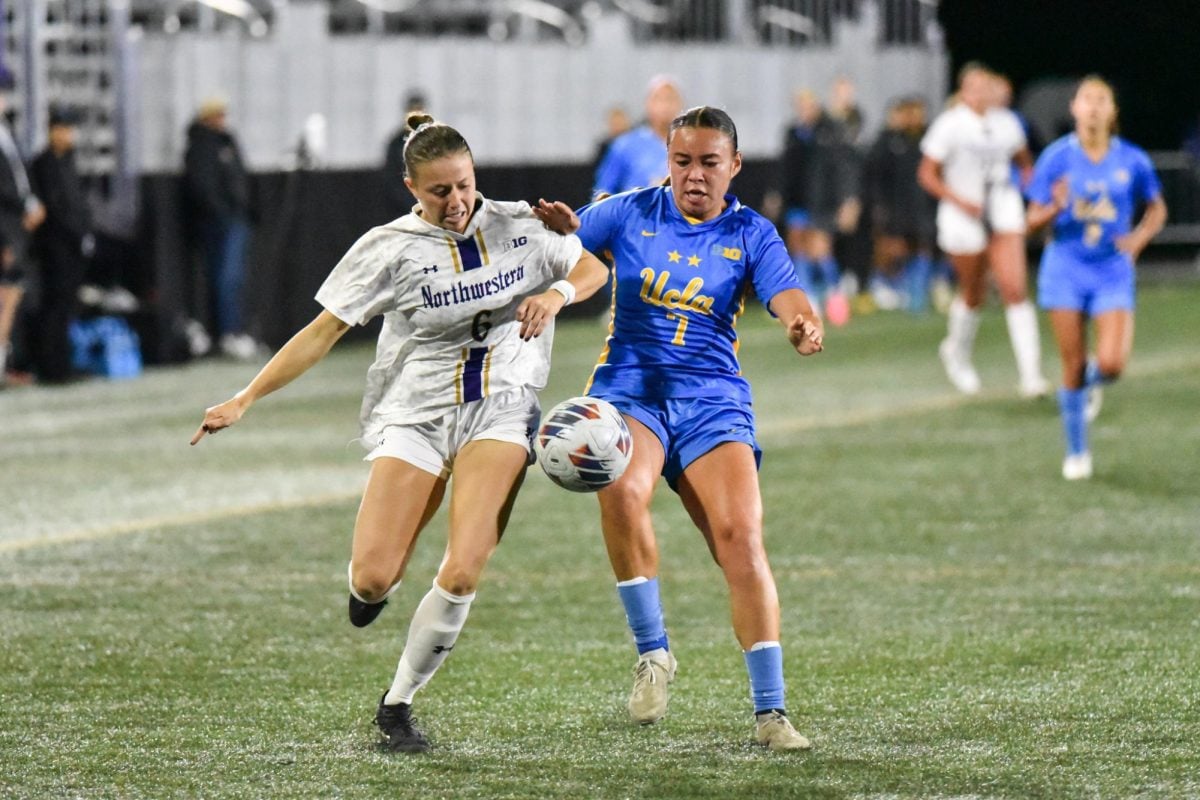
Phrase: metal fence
(1180, 176)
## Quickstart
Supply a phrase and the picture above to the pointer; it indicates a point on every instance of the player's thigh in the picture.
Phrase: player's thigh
(1006, 255)
(721, 494)
(398, 502)
(487, 477)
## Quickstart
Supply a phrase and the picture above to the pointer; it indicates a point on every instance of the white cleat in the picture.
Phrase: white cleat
(1095, 401)
(958, 369)
(651, 675)
(1077, 467)
(774, 731)
(1034, 389)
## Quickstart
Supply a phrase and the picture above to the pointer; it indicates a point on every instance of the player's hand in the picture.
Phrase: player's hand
(1132, 244)
(806, 335)
(1060, 194)
(33, 218)
(536, 311)
(220, 417)
(557, 216)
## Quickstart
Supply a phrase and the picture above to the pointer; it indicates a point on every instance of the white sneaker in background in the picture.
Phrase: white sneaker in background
(941, 294)
(1077, 467)
(1033, 389)
(90, 295)
(240, 346)
(960, 372)
(119, 300)
(198, 340)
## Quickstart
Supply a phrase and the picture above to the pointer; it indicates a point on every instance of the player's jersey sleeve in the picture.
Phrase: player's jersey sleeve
(1146, 186)
(1047, 171)
(939, 139)
(601, 223)
(362, 285)
(770, 267)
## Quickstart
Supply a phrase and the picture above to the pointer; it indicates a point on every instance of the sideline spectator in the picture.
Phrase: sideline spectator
(63, 245)
(20, 214)
(397, 198)
(219, 193)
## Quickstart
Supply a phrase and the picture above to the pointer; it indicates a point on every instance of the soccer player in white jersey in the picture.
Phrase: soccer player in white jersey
(967, 165)
(468, 289)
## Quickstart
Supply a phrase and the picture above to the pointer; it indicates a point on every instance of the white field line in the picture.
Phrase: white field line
(822, 422)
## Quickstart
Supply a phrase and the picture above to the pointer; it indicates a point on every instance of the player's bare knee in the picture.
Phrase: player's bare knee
(1110, 367)
(371, 586)
(459, 577)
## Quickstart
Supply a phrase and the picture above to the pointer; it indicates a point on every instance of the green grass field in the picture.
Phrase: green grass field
(958, 620)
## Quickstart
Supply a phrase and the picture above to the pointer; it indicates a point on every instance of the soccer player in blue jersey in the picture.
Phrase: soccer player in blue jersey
(638, 157)
(1089, 184)
(685, 256)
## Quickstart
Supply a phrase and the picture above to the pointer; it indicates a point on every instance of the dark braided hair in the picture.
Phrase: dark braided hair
(429, 140)
(705, 117)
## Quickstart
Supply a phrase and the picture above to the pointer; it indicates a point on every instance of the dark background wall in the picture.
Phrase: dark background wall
(1147, 48)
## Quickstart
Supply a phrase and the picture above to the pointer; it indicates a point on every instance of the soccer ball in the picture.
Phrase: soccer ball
(583, 444)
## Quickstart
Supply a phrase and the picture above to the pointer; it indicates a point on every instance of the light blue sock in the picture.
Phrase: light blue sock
(804, 273)
(830, 274)
(643, 612)
(1071, 405)
(764, 662)
(916, 279)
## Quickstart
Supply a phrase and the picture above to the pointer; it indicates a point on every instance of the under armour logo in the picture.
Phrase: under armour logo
(428, 270)
(441, 648)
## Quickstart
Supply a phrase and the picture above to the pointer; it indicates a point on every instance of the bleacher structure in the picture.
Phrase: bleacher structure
(136, 69)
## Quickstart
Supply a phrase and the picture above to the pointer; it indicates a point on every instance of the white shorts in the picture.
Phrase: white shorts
(960, 234)
(510, 416)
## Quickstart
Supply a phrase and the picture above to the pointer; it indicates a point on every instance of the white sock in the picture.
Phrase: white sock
(1026, 342)
(431, 636)
(962, 324)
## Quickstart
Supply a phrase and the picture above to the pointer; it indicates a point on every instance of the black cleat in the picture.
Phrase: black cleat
(396, 723)
(363, 614)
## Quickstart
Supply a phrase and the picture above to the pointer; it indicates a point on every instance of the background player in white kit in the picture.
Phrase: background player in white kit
(468, 289)
(967, 165)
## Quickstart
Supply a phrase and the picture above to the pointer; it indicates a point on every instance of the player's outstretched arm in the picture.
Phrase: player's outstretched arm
(1040, 214)
(303, 350)
(584, 279)
(557, 216)
(805, 331)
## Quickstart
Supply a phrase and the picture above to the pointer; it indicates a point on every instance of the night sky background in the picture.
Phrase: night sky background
(1148, 49)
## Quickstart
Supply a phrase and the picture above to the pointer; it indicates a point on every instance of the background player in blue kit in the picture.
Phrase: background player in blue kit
(1090, 184)
(638, 157)
(685, 256)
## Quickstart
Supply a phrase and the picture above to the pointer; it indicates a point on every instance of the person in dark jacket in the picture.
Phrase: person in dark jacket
(902, 214)
(218, 191)
(20, 214)
(820, 196)
(62, 244)
(395, 193)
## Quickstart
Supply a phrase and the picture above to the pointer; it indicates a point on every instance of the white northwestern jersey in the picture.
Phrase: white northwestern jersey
(449, 300)
(975, 150)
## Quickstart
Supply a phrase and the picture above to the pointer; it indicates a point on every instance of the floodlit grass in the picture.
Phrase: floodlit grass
(958, 621)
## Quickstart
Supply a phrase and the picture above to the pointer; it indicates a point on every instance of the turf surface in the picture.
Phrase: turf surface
(958, 621)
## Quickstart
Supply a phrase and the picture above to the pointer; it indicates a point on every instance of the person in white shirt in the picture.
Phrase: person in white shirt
(968, 155)
(468, 289)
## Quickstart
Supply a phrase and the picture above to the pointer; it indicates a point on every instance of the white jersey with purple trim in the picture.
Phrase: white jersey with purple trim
(449, 301)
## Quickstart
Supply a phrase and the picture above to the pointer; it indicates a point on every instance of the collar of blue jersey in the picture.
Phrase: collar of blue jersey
(732, 206)
(481, 207)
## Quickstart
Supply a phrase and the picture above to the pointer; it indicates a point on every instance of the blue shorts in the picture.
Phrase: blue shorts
(1093, 287)
(690, 427)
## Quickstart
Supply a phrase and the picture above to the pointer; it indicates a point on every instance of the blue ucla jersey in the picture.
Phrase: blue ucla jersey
(678, 291)
(1103, 196)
